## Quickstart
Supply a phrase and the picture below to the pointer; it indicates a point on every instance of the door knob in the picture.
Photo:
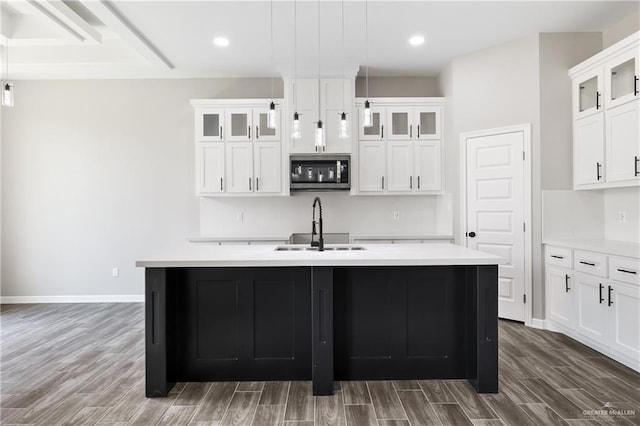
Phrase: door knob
(471, 234)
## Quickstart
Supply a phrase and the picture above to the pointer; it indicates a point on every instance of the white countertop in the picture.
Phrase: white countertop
(403, 237)
(617, 248)
(375, 255)
(213, 239)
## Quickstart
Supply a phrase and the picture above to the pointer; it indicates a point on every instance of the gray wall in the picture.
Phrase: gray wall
(97, 174)
(398, 86)
(622, 29)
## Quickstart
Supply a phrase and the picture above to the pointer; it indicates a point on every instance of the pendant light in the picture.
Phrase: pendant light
(296, 132)
(367, 119)
(7, 86)
(343, 129)
(319, 140)
(271, 117)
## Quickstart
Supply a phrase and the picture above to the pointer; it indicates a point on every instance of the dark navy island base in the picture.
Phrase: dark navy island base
(321, 323)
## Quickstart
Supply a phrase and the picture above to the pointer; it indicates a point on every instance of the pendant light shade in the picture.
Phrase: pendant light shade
(7, 93)
(343, 132)
(319, 135)
(296, 131)
(271, 119)
(367, 119)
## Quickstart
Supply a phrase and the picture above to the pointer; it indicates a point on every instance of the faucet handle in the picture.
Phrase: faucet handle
(313, 227)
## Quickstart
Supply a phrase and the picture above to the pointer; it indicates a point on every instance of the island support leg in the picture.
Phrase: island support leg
(159, 332)
(483, 330)
(322, 329)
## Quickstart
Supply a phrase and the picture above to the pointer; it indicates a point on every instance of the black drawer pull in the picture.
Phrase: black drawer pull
(587, 263)
(600, 292)
(627, 271)
(557, 257)
(636, 172)
(598, 174)
(609, 294)
(566, 284)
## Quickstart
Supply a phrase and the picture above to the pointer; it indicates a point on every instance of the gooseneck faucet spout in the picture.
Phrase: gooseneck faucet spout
(320, 242)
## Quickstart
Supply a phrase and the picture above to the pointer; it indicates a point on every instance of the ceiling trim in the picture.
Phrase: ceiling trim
(43, 11)
(116, 22)
(73, 20)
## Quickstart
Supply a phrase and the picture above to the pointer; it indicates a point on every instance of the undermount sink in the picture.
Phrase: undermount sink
(296, 247)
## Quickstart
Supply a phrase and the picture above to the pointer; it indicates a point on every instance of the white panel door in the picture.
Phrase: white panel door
(624, 316)
(210, 170)
(591, 307)
(239, 165)
(400, 166)
(495, 212)
(588, 150)
(427, 166)
(267, 170)
(372, 164)
(559, 290)
(623, 142)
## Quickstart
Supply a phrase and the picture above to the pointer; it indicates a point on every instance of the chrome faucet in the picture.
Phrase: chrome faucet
(320, 242)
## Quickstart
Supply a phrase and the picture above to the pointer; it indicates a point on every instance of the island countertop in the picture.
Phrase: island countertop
(372, 255)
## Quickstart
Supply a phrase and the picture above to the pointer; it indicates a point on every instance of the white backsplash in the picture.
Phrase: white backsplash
(572, 214)
(624, 201)
(357, 215)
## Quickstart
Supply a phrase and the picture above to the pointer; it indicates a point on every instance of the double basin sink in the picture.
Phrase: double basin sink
(300, 247)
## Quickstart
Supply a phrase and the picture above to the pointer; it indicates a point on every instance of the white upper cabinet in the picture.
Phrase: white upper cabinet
(376, 131)
(606, 144)
(428, 122)
(302, 96)
(400, 166)
(621, 78)
(337, 96)
(413, 123)
(400, 123)
(209, 125)
(248, 124)
(623, 143)
(237, 154)
(427, 168)
(372, 170)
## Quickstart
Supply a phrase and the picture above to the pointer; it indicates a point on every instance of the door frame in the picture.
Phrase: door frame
(525, 128)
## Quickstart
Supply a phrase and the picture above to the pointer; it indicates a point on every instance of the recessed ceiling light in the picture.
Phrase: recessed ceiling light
(221, 41)
(416, 40)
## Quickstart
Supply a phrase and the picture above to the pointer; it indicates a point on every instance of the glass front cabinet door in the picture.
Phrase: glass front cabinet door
(209, 125)
(427, 122)
(621, 76)
(587, 94)
(377, 131)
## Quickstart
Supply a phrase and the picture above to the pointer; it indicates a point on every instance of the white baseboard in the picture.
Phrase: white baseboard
(538, 323)
(115, 298)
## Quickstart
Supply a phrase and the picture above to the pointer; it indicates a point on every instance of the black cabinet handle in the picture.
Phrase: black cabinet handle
(598, 175)
(382, 131)
(566, 283)
(597, 100)
(587, 263)
(410, 130)
(257, 133)
(635, 166)
(220, 184)
(627, 271)
(635, 85)
(220, 132)
(418, 134)
(418, 182)
(557, 257)
(249, 131)
(600, 292)
(257, 184)
(249, 184)
(472, 234)
(609, 302)
(410, 182)
(382, 182)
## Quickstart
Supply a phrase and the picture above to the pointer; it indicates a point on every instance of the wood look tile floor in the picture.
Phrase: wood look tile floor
(84, 364)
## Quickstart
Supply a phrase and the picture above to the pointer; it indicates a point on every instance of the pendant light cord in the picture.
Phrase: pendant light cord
(319, 89)
(271, 30)
(295, 55)
(343, 54)
(6, 50)
(366, 44)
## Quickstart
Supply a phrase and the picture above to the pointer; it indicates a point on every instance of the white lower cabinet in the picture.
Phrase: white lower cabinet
(624, 318)
(591, 312)
(599, 307)
(560, 289)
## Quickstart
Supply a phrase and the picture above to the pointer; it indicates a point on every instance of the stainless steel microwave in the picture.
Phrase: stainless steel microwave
(320, 172)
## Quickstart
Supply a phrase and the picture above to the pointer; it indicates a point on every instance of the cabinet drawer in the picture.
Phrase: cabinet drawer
(590, 263)
(624, 270)
(559, 256)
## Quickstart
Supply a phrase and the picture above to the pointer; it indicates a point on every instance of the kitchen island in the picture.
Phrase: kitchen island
(369, 312)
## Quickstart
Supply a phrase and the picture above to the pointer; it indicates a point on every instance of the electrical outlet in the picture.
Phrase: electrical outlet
(396, 215)
(240, 217)
(115, 272)
(622, 217)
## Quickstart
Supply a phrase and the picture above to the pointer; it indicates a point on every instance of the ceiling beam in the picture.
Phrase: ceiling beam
(43, 12)
(72, 20)
(117, 23)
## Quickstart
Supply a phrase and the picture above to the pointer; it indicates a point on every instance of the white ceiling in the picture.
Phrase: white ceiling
(51, 39)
